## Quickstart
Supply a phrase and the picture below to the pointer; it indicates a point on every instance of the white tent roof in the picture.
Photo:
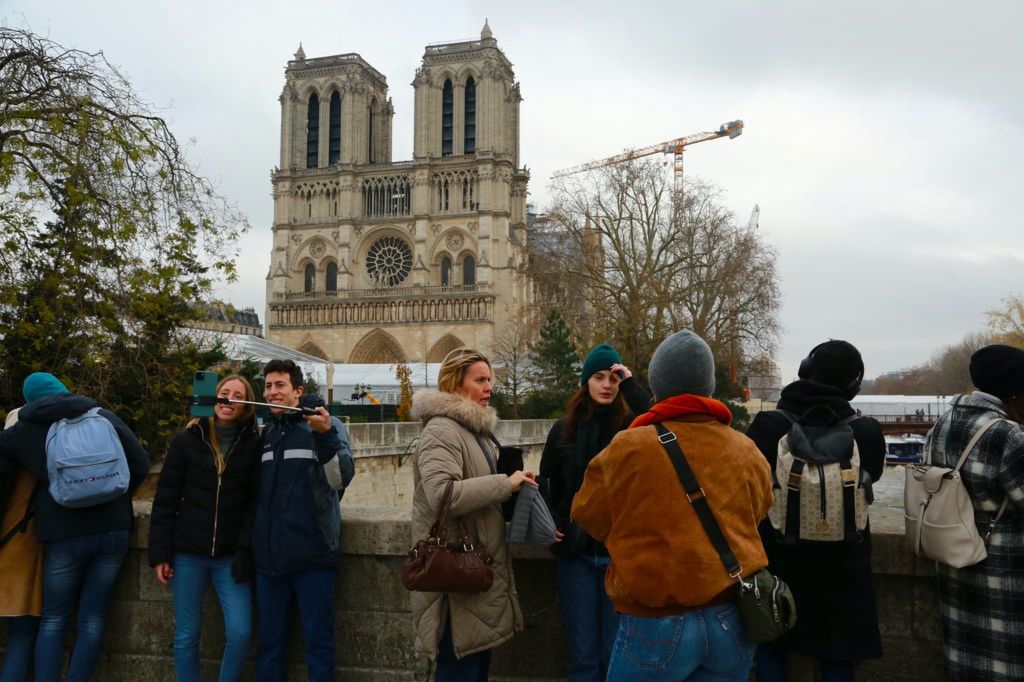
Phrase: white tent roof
(381, 376)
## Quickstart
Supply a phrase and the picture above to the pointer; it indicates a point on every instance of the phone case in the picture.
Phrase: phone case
(203, 384)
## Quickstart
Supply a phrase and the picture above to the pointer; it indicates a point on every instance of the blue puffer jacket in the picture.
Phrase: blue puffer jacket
(302, 476)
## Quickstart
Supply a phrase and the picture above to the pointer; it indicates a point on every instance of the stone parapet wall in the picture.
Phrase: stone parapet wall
(374, 626)
(383, 454)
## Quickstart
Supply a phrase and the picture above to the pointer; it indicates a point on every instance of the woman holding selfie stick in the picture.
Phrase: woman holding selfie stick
(198, 531)
(608, 399)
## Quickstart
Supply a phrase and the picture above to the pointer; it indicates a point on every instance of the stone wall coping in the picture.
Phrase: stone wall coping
(386, 531)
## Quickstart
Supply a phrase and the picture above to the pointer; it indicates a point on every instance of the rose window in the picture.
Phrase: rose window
(389, 261)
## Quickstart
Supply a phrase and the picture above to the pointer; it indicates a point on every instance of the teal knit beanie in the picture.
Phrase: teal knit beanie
(41, 384)
(601, 358)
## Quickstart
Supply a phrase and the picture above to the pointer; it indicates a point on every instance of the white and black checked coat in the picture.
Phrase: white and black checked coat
(983, 605)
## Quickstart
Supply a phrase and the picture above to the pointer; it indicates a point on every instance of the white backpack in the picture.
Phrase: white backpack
(938, 512)
(821, 493)
(85, 461)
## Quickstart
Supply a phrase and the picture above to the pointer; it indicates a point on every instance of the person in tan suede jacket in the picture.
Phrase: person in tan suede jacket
(676, 599)
(459, 630)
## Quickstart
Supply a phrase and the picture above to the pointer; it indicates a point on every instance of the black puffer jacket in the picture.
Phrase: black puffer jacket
(194, 510)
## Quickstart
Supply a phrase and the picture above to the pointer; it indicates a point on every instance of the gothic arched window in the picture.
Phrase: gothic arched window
(447, 114)
(469, 270)
(334, 137)
(446, 271)
(371, 156)
(469, 145)
(332, 277)
(312, 131)
(309, 278)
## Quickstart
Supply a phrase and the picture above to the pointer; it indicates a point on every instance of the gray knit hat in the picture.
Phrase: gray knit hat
(682, 364)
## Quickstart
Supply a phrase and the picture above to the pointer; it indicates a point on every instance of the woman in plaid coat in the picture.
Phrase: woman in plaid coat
(982, 606)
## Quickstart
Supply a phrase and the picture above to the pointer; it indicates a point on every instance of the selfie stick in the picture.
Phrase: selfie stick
(210, 400)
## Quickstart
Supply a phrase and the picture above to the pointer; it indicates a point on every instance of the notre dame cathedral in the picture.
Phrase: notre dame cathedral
(381, 261)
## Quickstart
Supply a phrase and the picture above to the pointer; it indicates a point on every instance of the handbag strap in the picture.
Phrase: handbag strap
(695, 495)
(439, 530)
(974, 441)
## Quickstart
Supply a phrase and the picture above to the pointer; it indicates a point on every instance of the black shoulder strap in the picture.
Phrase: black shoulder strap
(695, 495)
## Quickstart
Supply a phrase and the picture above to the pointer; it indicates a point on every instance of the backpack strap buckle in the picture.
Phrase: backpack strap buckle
(667, 437)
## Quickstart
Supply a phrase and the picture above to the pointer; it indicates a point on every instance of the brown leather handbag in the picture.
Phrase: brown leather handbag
(433, 565)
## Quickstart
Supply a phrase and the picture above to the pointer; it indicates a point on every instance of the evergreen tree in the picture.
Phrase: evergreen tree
(556, 369)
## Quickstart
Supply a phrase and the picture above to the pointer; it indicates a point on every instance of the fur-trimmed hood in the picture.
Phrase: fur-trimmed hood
(428, 403)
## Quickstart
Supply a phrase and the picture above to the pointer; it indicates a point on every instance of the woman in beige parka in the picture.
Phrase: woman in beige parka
(458, 630)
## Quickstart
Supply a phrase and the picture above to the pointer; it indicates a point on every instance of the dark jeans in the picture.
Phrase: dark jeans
(314, 592)
(77, 573)
(588, 616)
(472, 668)
(771, 667)
(21, 641)
(192, 575)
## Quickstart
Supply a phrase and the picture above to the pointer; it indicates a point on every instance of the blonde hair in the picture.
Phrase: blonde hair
(455, 366)
(211, 429)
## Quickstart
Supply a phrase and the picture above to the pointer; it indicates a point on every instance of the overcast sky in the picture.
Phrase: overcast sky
(883, 142)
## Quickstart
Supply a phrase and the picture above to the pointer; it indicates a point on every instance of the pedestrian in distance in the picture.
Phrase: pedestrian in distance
(607, 401)
(305, 466)
(83, 519)
(982, 606)
(200, 525)
(21, 565)
(458, 630)
(831, 581)
(676, 601)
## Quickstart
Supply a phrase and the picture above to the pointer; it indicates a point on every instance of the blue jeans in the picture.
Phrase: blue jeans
(77, 573)
(588, 616)
(314, 592)
(472, 668)
(771, 667)
(700, 646)
(21, 641)
(192, 573)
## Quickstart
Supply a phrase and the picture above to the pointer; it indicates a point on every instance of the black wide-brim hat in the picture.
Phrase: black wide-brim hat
(999, 370)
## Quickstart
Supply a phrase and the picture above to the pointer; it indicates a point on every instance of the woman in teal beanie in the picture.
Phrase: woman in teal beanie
(605, 404)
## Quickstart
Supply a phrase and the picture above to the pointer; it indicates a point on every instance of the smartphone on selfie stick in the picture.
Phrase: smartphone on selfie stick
(204, 397)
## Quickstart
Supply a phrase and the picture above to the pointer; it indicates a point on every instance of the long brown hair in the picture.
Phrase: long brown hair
(581, 408)
(210, 425)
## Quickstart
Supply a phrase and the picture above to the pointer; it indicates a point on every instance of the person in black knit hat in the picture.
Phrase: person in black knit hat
(982, 606)
(837, 621)
(605, 404)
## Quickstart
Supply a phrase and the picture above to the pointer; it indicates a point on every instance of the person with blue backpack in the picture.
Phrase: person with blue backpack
(89, 464)
(305, 466)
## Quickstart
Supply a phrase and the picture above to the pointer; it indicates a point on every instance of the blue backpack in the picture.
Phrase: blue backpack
(85, 461)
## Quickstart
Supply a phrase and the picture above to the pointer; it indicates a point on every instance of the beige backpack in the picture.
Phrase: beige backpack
(821, 493)
(938, 511)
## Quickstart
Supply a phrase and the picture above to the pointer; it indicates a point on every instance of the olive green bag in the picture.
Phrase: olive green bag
(765, 603)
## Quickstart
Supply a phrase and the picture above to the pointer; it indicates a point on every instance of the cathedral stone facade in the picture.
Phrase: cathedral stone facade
(378, 261)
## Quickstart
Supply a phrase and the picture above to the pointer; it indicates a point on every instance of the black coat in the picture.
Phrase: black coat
(831, 583)
(194, 510)
(558, 464)
(25, 444)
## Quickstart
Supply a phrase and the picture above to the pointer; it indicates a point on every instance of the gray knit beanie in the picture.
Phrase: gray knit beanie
(682, 364)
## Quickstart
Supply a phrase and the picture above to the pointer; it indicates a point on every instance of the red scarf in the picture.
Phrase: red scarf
(679, 405)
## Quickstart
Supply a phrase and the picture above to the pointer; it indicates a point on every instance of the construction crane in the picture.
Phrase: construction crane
(732, 130)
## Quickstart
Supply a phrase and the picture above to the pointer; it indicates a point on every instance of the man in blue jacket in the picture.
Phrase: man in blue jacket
(306, 465)
(84, 546)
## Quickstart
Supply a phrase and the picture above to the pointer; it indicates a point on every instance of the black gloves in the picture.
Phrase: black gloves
(242, 568)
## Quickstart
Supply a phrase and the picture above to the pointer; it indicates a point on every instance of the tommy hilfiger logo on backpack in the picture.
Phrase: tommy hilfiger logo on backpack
(85, 461)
